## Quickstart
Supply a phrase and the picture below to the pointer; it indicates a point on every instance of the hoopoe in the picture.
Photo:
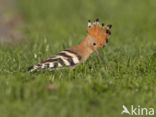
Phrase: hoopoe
(96, 38)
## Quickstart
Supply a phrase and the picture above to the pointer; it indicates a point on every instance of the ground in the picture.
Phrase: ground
(88, 91)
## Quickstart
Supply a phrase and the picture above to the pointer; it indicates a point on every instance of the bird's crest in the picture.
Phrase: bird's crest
(100, 33)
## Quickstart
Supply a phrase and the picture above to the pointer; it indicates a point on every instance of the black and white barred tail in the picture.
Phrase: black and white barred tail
(66, 58)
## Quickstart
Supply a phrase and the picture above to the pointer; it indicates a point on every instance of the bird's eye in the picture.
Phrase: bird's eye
(94, 44)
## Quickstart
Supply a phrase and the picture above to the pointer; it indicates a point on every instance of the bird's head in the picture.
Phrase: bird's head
(98, 35)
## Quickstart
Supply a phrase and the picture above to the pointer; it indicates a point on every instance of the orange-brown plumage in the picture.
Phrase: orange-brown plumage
(96, 38)
(99, 34)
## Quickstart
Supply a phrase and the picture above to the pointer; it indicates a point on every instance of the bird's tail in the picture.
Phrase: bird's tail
(50, 64)
(34, 68)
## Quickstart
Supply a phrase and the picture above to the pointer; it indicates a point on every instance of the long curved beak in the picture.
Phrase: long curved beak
(98, 53)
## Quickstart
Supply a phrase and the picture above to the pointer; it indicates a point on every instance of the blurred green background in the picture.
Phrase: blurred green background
(50, 26)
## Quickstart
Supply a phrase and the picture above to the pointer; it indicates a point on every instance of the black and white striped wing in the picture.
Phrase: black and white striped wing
(66, 58)
(69, 57)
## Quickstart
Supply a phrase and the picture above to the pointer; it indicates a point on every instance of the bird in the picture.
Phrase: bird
(97, 37)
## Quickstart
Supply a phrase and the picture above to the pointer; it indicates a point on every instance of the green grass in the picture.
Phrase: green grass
(89, 90)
